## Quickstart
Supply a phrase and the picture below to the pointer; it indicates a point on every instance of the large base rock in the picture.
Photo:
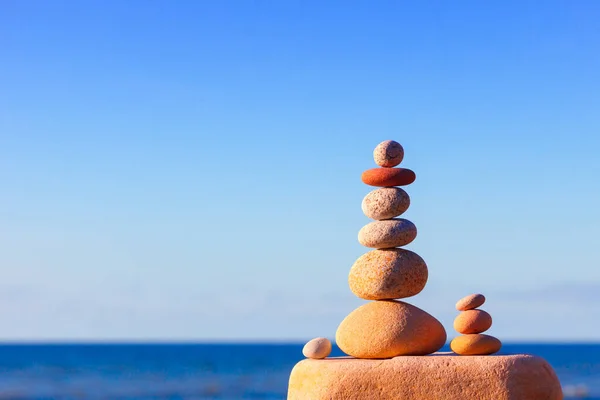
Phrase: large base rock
(441, 376)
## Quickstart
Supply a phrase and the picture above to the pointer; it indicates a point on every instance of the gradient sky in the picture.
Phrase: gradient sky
(191, 170)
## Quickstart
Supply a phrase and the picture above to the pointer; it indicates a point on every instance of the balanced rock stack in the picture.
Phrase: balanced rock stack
(388, 338)
(386, 327)
(472, 322)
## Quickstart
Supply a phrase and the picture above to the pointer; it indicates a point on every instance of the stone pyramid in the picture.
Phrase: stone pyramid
(385, 327)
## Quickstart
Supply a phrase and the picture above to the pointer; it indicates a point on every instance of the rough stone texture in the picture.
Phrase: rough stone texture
(385, 203)
(388, 274)
(317, 348)
(388, 177)
(439, 377)
(470, 302)
(388, 154)
(388, 233)
(389, 328)
(472, 321)
(475, 344)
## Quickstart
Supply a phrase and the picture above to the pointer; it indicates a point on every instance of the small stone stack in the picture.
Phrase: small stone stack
(471, 323)
(386, 327)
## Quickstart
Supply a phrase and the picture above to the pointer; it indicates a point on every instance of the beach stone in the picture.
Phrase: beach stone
(388, 233)
(442, 376)
(389, 328)
(317, 348)
(472, 321)
(388, 153)
(385, 203)
(383, 177)
(470, 302)
(388, 274)
(475, 344)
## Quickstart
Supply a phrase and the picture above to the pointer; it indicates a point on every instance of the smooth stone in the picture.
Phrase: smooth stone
(317, 348)
(388, 274)
(389, 328)
(470, 302)
(475, 344)
(442, 376)
(385, 203)
(388, 233)
(472, 321)
(388, 177)
(388, 153)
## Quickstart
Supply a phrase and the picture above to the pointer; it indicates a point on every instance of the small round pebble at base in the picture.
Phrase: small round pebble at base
(470, 302)
(317, 348)
(472, 321)
(475, 345)
(388, 153)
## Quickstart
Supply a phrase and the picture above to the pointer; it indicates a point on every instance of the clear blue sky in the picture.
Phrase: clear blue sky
(191, 169)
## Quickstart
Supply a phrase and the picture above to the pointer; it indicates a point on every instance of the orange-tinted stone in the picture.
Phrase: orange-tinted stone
(388, 274)
(470, 302)
(472, 321)
(439, 377)
(383, 177)
(389, 328)
(475, 344)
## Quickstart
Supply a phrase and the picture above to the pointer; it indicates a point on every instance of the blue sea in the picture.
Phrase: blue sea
(210, 371)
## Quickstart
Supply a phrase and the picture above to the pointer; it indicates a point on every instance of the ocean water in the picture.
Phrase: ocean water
(210, 371)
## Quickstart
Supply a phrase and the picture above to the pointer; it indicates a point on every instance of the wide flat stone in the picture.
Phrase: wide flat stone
(441, 376)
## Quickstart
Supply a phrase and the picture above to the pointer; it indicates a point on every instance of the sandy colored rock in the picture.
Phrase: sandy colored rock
(383, 177)
(472, 321)
(475, 344)
(388, 274)
(317, 348)
(385, 203)
(388, 153)
(439, 377)
(388, 233)
(470, 302)
(389, 328)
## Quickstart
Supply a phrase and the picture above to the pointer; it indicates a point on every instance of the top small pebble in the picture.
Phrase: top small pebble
(470, 302)
(388, 154)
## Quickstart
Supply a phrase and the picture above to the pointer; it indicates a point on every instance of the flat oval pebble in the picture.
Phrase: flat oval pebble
(472, 321)
(383, 177)
(388, 154)
(317, 348)
(470, 302)
(385, 203)
(388, 274)
(388, 233)
(389, 328)
(475, 345)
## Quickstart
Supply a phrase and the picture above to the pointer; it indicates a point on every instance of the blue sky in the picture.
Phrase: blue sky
(191, 170)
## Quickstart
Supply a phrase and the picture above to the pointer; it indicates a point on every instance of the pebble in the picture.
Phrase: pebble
(388, 233)
(470, 302)
(475, 344)
(385, 203)
(389, 328)
(383, 177)
(388, 153)
(388, 274)
(472, 321)
(317, 348)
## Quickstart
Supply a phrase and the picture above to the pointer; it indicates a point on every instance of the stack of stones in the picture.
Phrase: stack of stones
(471, 323)
(386, 327)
